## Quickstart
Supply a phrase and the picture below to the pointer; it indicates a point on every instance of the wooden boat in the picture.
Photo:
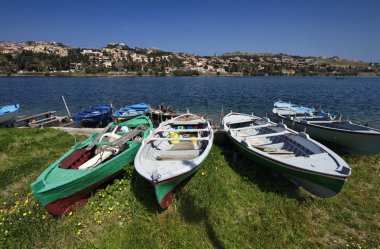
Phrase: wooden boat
(163, 112)
(8, 113)
(300, 158)
(131, 111)
(94, 115)
(173, 153)
(70, 180)
(350, 137)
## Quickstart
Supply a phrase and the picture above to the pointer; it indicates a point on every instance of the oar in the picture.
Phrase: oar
(99, 136)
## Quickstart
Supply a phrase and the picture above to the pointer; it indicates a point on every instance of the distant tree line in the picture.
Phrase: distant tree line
(157, 63)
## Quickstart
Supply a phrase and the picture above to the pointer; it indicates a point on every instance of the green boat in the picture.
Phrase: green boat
(298, 157)
(69, 181)
(173, 153)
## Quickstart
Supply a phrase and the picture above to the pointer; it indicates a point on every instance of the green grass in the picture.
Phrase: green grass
(225, 205)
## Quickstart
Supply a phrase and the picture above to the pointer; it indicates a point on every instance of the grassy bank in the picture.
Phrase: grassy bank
(225, 205)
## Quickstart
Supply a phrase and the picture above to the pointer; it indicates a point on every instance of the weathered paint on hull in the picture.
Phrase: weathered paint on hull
(164, 190)
(317, 184)
(367, 144)
(62, 206)
(58, 194)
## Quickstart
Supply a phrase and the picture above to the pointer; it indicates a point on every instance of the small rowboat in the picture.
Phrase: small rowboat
(288, 108)
(131, 111)
(300, 158)
(348, 136)
(173, 153)
(325, 127)
(70, 180)
(94, 115)
(8, 113)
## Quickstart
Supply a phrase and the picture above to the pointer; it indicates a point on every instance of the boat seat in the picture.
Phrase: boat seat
(270, 146)
(184, 145)
(177, 154)
(245, 134)
(279, 151)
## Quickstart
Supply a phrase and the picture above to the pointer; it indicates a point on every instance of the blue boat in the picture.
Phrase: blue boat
(131, 111)
(94, 115)
(290, 109)
(8, 113)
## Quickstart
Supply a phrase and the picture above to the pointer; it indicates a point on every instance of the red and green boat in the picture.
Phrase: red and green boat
(70, 180)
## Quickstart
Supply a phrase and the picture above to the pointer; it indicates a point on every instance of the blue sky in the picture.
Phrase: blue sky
(350, 29)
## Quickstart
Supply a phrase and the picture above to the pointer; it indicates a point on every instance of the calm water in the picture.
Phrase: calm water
(357, 98)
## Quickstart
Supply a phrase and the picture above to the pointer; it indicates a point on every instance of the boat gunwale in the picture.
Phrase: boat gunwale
(266, 156)
(334, 129)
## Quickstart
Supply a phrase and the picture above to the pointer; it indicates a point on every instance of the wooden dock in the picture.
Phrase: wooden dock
(45, 119)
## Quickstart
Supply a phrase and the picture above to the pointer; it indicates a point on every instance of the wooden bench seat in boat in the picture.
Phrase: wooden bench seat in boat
(185, 145)
(273, 148)
(176, 154)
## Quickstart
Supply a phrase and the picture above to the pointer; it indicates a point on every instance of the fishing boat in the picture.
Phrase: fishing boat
(172, 154)
(325, 127)
(163, 112)
(131, 111)
(348, 136)
(288, 108)
(94, 115)
(69, 181)
(8, 113)
(298, 157)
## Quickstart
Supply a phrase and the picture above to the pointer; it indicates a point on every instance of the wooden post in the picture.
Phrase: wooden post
(67, 109)
(221, 116)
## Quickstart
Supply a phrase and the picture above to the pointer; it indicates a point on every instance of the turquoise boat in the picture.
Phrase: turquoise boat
(8, 113)
(131, 111)
(70, 180)
(298, 157)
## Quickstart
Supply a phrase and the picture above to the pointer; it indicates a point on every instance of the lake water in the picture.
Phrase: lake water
(357, 98)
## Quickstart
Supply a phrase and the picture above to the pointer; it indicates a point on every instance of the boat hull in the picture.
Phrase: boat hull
(65, 205)
(317, 184)
(60, 189)
(352, 142)
(8, 117)
(119, 119)
(165, 190)
(8, 114)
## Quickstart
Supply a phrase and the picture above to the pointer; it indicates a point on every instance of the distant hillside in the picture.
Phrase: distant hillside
(52, 58)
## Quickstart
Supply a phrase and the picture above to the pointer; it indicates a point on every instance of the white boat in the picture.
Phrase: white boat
(350, 137)
(300, 158)
(288, 108)
(8, 113)
(173, 153)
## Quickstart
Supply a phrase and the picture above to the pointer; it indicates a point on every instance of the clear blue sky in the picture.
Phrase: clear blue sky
(346, 28)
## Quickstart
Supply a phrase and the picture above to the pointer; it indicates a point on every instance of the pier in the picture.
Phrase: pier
(45, 119)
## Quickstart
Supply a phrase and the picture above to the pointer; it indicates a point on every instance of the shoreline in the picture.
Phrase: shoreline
(148, 75)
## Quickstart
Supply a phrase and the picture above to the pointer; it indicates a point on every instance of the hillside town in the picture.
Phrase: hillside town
(51, 58)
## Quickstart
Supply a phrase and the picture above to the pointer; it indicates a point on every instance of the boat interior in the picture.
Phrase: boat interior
(274, 140)
(178, 142)
(107, 146)
(345, 125)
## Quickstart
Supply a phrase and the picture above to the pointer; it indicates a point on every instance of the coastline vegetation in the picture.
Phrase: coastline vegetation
(225, 205)
(39, 58)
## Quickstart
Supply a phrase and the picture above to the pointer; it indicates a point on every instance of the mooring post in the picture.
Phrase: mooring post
(67, 109)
